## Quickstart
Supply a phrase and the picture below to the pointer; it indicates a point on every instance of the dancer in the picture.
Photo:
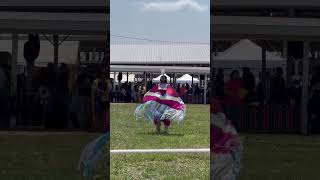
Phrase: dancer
(162, 104)
(226, 147)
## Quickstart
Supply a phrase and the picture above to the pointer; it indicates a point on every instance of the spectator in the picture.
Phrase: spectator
(84, 87)
(4, 97)
(178, 88)
(62, 97)
(279, 91)
(314, 103)
(197, 90)
(296, 92)
(149, 85)
(188, 88)
(233, 99)
(249, 84)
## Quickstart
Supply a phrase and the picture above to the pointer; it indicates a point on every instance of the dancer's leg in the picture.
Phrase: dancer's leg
(166, 123)
(157, 123)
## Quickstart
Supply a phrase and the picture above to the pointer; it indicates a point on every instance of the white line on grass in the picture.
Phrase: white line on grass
(135, 151)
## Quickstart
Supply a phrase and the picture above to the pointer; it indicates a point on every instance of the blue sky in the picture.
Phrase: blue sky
(171, 20)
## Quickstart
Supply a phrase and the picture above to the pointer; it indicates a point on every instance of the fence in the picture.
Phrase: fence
(187, 99)
(270, 118)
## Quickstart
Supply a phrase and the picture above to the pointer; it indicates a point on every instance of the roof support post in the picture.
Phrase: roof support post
(263, 68)
(205, 90)
(305, 88)
(14, 60)
(56, 51)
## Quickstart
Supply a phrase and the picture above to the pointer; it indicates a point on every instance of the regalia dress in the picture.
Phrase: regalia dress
(225, 145)
(161, 103)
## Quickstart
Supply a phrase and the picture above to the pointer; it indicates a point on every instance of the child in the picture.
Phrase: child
(161, 105)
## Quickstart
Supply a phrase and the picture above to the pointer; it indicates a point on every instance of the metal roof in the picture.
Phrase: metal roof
(64, 17)
(157, 69)
(193, 54)
(268, 4)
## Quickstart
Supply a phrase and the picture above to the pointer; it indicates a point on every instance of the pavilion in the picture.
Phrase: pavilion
(273, 20)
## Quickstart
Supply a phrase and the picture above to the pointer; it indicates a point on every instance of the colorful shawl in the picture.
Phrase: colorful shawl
(225, 146)
(161, 102)
(167, 96)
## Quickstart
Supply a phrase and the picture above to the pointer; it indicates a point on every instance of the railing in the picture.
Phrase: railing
(270, 118)
(187, 99)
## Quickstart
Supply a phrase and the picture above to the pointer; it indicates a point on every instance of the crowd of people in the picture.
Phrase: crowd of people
(57, 98)
(133, 92)
(272, 89)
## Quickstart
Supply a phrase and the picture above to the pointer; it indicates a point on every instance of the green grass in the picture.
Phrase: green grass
(41, 155)
(126, 133)
(280, 157)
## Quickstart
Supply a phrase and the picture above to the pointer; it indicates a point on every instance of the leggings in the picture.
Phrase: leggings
(166, 122)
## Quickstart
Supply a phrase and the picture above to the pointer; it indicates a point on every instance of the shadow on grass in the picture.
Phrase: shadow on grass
(161, 134)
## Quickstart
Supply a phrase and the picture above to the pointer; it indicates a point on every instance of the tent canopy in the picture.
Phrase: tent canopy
(245, 53)
(187, 78)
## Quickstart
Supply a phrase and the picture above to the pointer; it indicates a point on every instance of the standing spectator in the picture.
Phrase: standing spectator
(99, 95)
(149, 85)
(41, 99)
(183, 90)
(84, 87)
(278, 87)
(188, 88)
(4, 97)
(314, 102)
(197, 89)
(296, 92)
(178, 88)
(232, 98)
(62, 97)
(249, 83)
(260, 90)
(52, 115)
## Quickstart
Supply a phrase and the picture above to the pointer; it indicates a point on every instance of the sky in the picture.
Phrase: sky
(166, 20)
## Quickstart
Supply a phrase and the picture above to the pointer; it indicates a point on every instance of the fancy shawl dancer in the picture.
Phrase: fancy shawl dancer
(162, 104)
(226, 147)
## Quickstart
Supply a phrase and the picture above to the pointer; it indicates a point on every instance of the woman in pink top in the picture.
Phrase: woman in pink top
(233, 99)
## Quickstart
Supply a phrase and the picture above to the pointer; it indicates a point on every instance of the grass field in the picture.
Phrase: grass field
(126, 133)
(41, 155)
(280, 157)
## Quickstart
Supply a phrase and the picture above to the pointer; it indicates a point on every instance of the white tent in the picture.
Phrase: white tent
(245, 53)
(157, 79)
(187, 78)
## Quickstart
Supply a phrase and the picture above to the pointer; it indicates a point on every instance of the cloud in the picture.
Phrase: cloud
(177, 5)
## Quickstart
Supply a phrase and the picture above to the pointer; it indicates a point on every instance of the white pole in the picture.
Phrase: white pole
(145, 79)
(141, 151)
(305, 85)
(205, 89)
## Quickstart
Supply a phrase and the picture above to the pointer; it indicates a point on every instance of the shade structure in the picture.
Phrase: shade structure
(157, 79)
(187, 78)
(245, 53)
